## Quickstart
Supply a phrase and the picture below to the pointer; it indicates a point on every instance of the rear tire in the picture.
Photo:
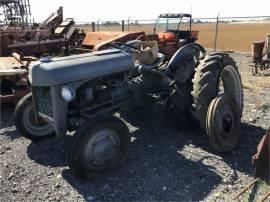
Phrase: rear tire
(25, 121)
(99, 146)
(213, 70)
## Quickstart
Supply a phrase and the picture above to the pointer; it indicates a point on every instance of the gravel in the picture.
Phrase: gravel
(165, 162)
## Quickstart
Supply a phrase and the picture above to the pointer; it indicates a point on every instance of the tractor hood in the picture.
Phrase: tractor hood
(57, 71)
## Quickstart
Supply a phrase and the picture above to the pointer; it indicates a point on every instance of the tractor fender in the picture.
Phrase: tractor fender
(183, 63)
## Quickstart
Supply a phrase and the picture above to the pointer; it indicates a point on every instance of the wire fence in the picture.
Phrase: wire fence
(223, 33)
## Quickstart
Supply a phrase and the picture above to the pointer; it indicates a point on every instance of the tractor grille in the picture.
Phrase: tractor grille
(43, 101)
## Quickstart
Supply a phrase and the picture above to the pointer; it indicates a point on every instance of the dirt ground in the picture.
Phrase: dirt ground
(165, 162)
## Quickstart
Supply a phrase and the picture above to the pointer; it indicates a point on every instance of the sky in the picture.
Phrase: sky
(92, 10)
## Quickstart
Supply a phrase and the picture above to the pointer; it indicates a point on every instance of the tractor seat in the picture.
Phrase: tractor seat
(166, 36)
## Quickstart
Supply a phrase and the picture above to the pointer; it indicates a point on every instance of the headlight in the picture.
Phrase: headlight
(67, 93)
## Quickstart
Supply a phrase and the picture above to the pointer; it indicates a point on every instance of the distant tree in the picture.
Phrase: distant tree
(110, 23)
(136, 23)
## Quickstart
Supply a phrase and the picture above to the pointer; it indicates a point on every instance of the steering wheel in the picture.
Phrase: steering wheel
(118, 44)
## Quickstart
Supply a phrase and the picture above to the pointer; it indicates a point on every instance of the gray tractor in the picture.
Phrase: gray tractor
(82, 93)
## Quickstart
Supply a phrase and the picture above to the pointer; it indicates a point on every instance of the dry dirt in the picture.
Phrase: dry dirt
(165, 163)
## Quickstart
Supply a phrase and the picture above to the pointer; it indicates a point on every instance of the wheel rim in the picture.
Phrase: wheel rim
(102, 149)
(230, 84)
(226, 122)
(223, 123)
(42, 128)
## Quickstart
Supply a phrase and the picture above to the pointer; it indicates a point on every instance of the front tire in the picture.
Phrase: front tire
(98, 146)
(25, 123)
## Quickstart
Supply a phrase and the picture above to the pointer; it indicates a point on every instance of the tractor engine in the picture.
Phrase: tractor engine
(102, 92)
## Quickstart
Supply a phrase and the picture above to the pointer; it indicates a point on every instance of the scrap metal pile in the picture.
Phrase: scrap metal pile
(23, 41)
(20, 34)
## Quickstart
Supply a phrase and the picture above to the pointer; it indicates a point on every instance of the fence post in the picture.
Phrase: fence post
(216, 34)
(123, 25)
(128, 24)
(98, 25)
(93, 27)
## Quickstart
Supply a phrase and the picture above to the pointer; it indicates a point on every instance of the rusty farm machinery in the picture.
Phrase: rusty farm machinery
(261, 164)
(260, 55)
(23, 41)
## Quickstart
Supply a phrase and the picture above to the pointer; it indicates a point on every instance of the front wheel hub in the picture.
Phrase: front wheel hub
(102, 149)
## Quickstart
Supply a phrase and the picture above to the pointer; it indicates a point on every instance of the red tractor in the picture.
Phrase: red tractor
(177, 32)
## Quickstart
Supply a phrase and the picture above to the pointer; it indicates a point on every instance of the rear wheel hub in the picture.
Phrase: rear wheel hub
(223, 123)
